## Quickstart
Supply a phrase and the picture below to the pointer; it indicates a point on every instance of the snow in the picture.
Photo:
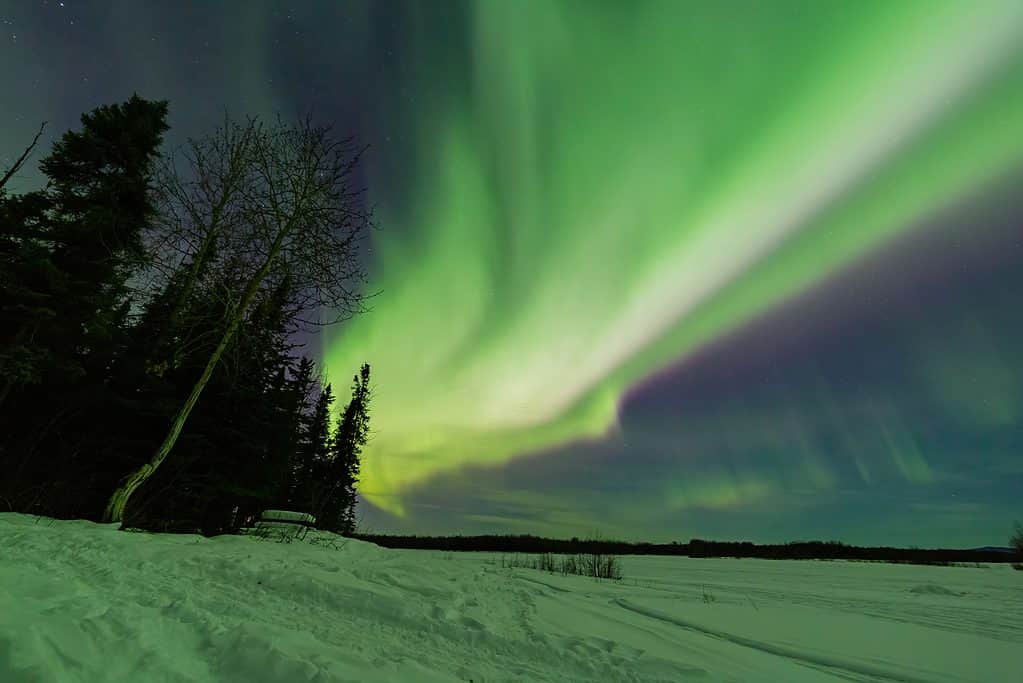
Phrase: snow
(86, 602)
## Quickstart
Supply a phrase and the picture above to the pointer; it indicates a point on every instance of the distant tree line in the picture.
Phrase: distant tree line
(798, 550)
(834, 550)
(148, 306)
(523, 544)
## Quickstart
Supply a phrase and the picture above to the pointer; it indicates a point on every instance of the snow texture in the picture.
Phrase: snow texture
(86, 602)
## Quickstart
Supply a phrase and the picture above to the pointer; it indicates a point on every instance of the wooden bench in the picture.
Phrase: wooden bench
(283, 525)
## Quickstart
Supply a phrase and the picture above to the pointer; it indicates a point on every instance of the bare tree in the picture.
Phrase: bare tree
(196, 214)
(291, 210)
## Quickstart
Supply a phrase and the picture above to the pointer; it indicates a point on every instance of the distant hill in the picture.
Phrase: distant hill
(992, 549)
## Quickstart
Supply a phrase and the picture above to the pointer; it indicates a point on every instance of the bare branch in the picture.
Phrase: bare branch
(23, 158)
(265, 212)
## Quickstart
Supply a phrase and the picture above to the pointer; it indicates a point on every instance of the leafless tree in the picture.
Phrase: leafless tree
(264, 201)
(199, 209)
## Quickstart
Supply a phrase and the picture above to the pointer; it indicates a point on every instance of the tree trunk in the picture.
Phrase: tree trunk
(115, 506)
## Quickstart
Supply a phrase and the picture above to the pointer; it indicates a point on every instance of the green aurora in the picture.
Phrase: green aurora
(658, 269)
(599, 191)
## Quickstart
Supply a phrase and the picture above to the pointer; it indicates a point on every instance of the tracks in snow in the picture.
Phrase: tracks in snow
(831, 664)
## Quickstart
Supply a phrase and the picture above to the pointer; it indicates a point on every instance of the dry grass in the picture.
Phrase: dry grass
(596, 565)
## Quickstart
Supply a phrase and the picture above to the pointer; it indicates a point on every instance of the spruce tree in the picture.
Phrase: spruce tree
(337, 510)
(100, 187)
(296, 444)
(70, 249)
(67, 256)
(314, 454)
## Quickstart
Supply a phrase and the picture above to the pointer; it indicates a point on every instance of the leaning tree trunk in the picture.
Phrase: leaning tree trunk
(115, 506)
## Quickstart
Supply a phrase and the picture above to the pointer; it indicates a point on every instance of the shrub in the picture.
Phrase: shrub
(602, 566)
(597, 565)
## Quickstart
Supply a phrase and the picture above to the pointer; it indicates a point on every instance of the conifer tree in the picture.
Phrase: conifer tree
(73, 247)
(313, 453)
(68, 254)
(298, 410)
(27, 283)
(337, 510)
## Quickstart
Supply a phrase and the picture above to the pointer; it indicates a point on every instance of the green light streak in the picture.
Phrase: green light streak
(618, 186)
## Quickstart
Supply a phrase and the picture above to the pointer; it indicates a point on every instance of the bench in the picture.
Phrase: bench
(283, 525)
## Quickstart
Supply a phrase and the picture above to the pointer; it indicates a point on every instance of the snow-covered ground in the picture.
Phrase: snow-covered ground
(85, 602)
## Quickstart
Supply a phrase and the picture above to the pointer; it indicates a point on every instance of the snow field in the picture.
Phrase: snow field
(86, 602)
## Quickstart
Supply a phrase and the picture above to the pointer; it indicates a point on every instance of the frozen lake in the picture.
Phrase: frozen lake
(85, 602)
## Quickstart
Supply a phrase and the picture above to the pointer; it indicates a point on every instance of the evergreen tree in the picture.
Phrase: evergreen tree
(100, 188)
(337, 510)
(314, 453)
(28, 279)
(71, 248)
(294, 439)
(67, 254)
(24, 270)
(320, 428)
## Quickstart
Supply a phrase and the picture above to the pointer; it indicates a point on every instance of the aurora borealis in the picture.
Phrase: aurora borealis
(655, 269)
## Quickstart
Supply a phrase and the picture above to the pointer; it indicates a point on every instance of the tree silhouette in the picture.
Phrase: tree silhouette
(120, 285)
(299, 218)
(337, 512)
(69, 250)
(313, 452)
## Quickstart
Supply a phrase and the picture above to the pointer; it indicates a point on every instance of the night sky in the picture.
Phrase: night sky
(655, 270)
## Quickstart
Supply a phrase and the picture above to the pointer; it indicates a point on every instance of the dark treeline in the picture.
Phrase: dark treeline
(800, 550)
(523, 544)
(833, 550)
(147, 310)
